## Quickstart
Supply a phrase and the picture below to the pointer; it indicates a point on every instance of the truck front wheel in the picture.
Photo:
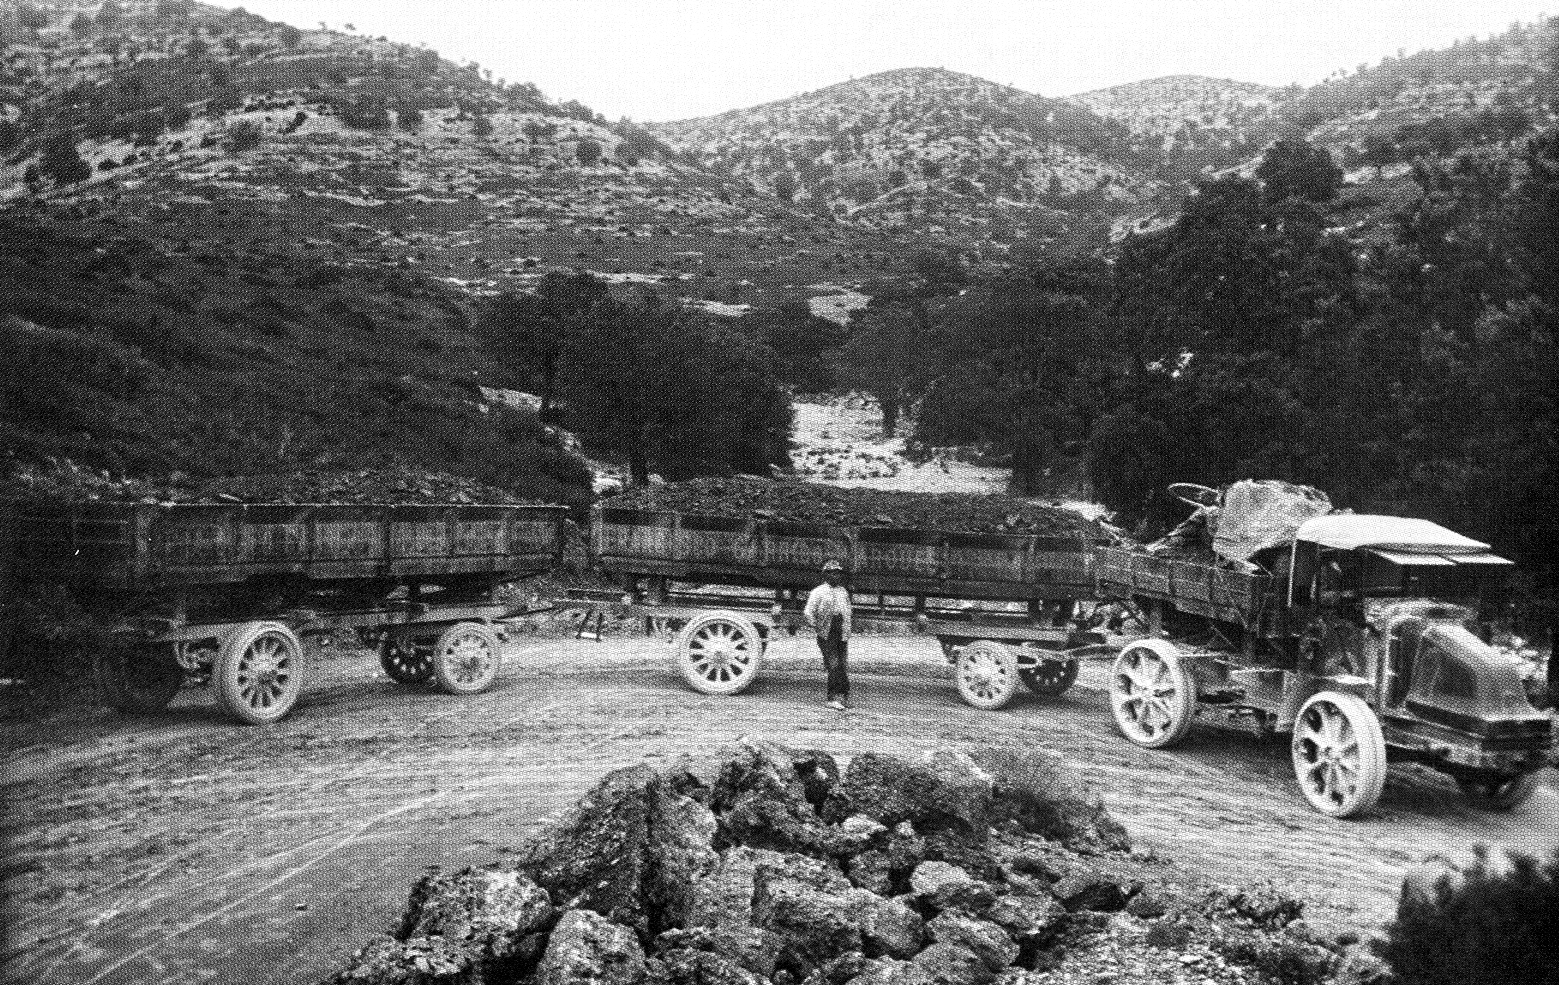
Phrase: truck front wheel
(1152, 694)
(1339, 754)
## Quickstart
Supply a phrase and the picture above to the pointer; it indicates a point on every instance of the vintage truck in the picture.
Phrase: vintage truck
(222, 594)
(1364, 637)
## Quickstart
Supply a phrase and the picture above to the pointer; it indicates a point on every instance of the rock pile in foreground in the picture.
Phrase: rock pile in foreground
(770, 865)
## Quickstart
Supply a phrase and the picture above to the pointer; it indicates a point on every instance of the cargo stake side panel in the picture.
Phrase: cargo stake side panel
(892, 560)
(1201, 589)
(194, 544)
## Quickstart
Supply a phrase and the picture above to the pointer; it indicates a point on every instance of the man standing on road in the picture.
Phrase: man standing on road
(828, 613)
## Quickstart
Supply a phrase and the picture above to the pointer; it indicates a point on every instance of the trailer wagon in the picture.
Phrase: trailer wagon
(1001, 605)
(223, 593)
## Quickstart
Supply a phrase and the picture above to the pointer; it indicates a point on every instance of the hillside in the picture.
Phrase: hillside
(211, 203)
(925, 150)
(1485, 92)
(1194, 121)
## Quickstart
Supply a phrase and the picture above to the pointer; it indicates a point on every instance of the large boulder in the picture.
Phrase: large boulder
(597, 857)
(682, 832)
(1027, 917)
(419, 961)
(814, 923)
(947, 887)
(951, 964)
(588, 949)
(496, 916)
(1041, 793)
(632, 850)
(760, 797)
(989, 942)
(892, 928)
(751, 948)
(474, 925)
(945, 793)
(689, 967)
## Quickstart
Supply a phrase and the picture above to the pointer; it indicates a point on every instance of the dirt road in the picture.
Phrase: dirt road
(181, 848)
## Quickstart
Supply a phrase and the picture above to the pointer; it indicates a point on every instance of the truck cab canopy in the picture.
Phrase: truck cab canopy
(1403, 540)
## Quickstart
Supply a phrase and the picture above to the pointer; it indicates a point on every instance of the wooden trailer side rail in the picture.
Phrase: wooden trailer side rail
(889, 560)
(189, 544)
(1202, 589)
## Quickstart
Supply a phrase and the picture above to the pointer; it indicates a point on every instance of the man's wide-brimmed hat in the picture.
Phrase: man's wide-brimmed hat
(833, 566)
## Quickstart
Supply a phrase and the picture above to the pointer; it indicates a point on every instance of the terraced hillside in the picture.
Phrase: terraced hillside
(925, 150)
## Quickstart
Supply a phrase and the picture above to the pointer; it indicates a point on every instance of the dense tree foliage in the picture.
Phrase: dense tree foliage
(1413, 373)
(671, 393)
(805, 346)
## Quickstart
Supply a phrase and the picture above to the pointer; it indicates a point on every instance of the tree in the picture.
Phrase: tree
(532, 328)
(197, 48)
(804, 345)
(587, 151)
(481, 126)
(82, 24)
(1295, 169)
(672, 393)
(885, 355)
(1024, 371)
(62, 163)
(408, 118)
(110, 15)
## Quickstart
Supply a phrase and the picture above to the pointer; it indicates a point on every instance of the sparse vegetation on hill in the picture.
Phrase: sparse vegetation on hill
(927, 150)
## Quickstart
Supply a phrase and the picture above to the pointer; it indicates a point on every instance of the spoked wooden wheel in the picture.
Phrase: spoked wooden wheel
(719, 653)
(407, 659)
(1498, 791)
(466, 658)
(1152, 694)
(1339, 754)
(986, 674)
(258, 672)
(1050, 677)
(140, 678)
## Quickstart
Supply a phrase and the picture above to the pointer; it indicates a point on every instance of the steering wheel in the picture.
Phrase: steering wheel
(1194, 495)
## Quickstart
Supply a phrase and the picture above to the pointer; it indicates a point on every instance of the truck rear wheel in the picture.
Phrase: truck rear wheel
(258, 672)
(466, 658)
(1339, 754)
(138, 678)
(986, 674)
(1152, 694)
(1051, 677)
(719, 653)
(407, 659)
(1498, 791)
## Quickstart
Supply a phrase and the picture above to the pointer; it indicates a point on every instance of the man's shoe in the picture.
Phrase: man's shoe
(836, 704)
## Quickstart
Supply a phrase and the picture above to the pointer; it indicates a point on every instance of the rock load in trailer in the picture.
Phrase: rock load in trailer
(808, 502)
(768, 865)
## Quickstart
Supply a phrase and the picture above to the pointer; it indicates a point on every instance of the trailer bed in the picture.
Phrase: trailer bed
(891, 560)
(194, 544)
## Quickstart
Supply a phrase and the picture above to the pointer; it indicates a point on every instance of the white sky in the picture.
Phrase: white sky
(670, 59)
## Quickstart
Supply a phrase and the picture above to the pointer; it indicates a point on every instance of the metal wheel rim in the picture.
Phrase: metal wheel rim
(468, 658)
(409, 659)
(984, 674)
(720, 653)
(1326, 746)
(1143, 692)
(263, 673)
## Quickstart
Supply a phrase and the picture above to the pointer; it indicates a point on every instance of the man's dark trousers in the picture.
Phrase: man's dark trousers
(836, 659)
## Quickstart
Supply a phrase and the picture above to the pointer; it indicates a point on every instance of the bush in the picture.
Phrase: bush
(1485, 922)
